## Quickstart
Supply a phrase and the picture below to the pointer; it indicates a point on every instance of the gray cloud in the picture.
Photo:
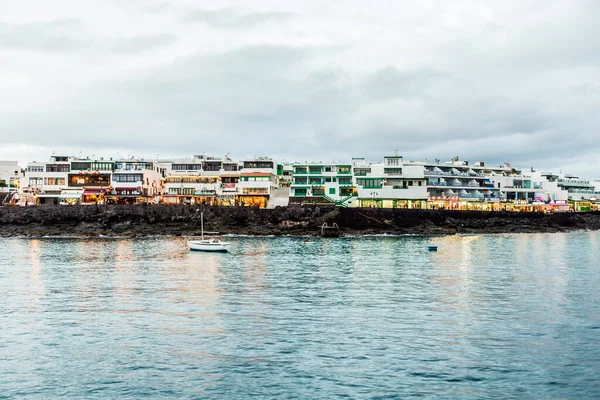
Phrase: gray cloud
(491, 87)
(227, 19)
(58, 35)
(70, 35)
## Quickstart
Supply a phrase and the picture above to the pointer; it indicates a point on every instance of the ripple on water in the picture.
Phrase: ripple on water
(487, 316)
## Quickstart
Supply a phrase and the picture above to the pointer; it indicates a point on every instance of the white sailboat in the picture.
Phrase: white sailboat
(214, 245)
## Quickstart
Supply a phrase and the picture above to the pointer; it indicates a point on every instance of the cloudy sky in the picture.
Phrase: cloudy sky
(506, 80)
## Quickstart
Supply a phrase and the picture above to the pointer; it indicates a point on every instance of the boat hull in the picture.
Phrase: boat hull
(211, 247)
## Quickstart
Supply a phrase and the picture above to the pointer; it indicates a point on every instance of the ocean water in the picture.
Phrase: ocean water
(487, 316)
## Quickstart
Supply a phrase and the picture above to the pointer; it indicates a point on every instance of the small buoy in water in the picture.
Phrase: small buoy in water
(432, 248)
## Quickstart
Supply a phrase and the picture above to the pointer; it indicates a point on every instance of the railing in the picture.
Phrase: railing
(343, 201)
(449, 173)
(571, 181)
(584, 191)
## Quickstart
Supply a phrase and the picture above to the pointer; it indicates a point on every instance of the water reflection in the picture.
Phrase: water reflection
(486, 315)
(35, 285)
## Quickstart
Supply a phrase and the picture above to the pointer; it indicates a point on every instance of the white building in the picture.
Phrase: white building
(460, 181)
(390, 184)
(10, 175)
(202, 180)
(259, 179)
(46, 180)
(320, 182)
(578, 189)
(135, 180)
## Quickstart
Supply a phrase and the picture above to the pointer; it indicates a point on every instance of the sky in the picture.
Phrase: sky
(497, 81)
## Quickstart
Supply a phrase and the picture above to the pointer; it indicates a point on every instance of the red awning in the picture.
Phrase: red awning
(127, 189)
(93, 191)
(256, 174)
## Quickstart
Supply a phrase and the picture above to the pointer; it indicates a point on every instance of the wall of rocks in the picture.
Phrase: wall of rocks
(143, 220)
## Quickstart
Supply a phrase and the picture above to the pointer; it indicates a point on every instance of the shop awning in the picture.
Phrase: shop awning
(93, 191)
(127, 189)
(70, 196)
(48, 195)
(255, 174)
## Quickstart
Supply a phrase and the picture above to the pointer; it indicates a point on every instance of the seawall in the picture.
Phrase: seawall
(143, 220)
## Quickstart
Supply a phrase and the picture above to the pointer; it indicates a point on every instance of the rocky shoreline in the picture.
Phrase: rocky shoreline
(151, 220)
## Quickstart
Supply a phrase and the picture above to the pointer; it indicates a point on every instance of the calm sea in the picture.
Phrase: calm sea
(490, 316)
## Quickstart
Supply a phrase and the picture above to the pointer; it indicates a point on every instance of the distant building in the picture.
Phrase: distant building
(10, 176)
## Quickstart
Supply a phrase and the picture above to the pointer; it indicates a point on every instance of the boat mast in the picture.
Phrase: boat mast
(202, 224)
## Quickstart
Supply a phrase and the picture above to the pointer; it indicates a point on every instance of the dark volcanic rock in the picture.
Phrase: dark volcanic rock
(143, 220)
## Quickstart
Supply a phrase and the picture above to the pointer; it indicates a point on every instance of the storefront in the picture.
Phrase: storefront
(70, 197)
(443, 203)
(581, 206)
(205, 199)
(225, 200)
(392, 203)
(251, 200)
(177, 199)
(558, 206)
(124, 199)
(93, 196)
(47, 199)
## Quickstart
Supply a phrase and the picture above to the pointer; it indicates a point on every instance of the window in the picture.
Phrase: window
(327, 169)
(186, 167)
(345, 181)
(35, 168)
(410, 183)
(89, 180)
(58, 168)
(301, 181)
(133, 166)
(315, 170)
(101, 166)
(420, 183)
(80, 166)
(128, 177)
(300, 170)
(55, 181)
(370, 183)
(362, 171)
(328, 179)
(344, 169)
(332, 191)
(300, 192)
(36, 181)
(212, 166)
(392, 171)
(258, 164)
(392, 161)
(318, 192)
(255, 191)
